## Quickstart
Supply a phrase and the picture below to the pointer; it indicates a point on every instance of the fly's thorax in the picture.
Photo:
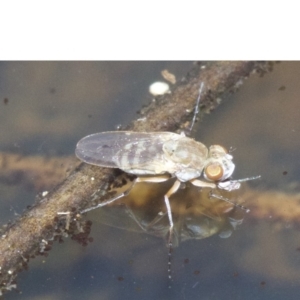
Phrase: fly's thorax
(187, 155)
(186, 152)
(219, 165)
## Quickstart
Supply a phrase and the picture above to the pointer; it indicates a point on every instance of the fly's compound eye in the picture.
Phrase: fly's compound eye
(213, 172)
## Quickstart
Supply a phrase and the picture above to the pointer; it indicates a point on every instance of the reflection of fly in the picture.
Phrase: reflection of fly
(158, 156)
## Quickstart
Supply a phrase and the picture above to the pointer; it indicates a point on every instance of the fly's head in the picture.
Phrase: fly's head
(219, 165)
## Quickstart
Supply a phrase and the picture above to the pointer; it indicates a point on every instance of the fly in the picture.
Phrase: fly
(157, 157)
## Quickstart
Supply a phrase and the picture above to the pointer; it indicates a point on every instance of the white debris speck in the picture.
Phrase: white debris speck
(118, 127)
(142, 119)
(45, 193)
(159, 88)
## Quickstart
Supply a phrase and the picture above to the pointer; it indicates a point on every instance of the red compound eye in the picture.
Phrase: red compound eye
(214, 171)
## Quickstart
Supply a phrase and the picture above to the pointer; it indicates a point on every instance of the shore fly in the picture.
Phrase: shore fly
(157, 157)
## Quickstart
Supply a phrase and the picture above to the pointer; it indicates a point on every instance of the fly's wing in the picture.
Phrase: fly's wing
(133, 152)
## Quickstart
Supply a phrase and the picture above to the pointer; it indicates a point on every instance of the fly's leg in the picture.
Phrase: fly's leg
(229, 201)
(171, 191)
(236, 184)
(203, 184)
(131, 214)
(160, 178)
(145, 228)
(125, 193)
(230, 185)
(196, 108)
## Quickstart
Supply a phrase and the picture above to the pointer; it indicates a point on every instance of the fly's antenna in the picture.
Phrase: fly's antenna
(211, 194)
(196, 107)
(231, 149)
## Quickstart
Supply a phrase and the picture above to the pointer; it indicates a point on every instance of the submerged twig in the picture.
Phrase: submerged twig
(35, 172)
(31, 233)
